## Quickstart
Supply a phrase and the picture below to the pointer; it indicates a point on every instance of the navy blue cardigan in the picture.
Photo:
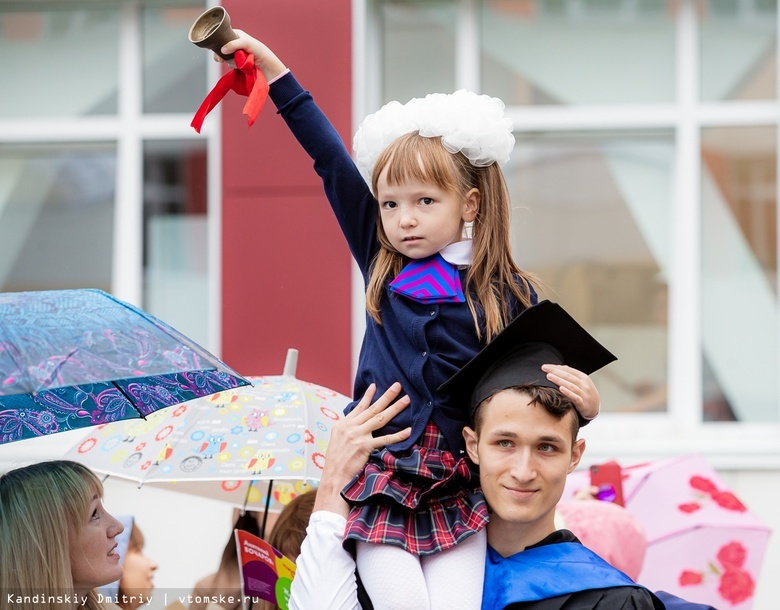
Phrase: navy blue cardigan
(420, 346)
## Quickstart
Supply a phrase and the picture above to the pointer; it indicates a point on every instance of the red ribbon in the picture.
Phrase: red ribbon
(245, 79)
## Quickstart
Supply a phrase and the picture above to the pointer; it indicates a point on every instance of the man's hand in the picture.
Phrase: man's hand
(351, 442)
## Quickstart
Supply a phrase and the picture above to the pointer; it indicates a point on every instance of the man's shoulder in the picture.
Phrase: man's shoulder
(613, 598)
(559, 573)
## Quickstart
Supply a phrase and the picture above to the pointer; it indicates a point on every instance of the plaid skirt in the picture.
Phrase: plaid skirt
(424, 500)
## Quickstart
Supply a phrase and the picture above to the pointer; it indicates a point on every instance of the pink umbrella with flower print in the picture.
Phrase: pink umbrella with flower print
(703, 543)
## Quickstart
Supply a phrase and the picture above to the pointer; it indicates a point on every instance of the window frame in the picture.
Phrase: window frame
(128, 129)
(680, 428)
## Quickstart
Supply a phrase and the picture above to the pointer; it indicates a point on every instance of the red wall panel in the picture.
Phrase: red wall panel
(285, 267)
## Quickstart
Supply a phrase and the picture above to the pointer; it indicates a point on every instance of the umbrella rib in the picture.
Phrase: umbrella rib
(129, 399)
(53, 374)
(709, 525)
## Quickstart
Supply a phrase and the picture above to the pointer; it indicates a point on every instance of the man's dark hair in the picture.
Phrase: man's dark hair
(551, 399)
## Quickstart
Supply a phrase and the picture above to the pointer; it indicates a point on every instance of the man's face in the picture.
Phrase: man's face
(524, 455)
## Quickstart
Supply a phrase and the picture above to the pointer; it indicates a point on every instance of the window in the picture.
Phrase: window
(567, 53)
(176, 234)
(103, 181)
(739, 273)
(599, 241)
(644, 181)
(57, 211)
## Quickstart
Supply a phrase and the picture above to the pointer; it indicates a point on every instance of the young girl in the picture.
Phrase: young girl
(434, 298)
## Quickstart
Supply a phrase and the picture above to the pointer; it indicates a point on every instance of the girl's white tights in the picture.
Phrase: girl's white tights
(397, 580)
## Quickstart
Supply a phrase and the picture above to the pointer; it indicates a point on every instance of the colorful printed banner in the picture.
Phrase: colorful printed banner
(266, 574)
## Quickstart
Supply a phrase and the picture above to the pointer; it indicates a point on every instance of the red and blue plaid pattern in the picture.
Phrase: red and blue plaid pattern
(424, 501)
(429, 280)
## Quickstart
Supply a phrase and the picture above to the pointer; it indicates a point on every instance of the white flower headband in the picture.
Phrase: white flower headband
(469, 123)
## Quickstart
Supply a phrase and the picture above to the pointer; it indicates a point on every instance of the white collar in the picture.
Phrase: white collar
(457, 253)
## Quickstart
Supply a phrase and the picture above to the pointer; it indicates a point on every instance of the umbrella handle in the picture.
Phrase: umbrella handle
(265, 512)
(246, 497)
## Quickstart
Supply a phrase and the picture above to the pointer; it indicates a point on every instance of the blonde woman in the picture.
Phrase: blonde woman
(57, 542)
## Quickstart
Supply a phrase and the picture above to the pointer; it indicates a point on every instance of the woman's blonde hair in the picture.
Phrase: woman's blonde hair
(41, 507)
(493, 276)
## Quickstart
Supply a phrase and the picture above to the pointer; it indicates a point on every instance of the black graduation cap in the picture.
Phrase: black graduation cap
(542, 334)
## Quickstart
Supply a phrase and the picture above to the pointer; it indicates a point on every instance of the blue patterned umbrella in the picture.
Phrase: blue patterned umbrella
(76, 358)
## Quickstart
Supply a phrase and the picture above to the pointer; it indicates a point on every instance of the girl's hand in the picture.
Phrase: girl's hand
(351, 442)
(577, 387)
(586, 493)
(265, 59)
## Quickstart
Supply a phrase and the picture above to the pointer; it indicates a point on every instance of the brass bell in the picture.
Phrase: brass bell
(212, 31)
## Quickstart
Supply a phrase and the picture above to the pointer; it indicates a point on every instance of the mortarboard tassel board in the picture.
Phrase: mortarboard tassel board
(542, 334)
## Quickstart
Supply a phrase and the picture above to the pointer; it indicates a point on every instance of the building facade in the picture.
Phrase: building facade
(644, 181)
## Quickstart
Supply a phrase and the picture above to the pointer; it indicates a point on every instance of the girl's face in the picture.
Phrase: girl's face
(94, 561)
(137, 579)
(421, 218)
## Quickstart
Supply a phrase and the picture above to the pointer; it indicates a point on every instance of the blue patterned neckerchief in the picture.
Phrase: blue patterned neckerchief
(429, 280)
(434, 279)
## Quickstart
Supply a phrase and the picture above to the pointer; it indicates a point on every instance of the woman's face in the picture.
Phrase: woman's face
(138, 576)
(94, 561)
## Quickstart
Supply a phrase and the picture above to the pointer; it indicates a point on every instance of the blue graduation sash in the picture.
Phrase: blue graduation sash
(544, 572)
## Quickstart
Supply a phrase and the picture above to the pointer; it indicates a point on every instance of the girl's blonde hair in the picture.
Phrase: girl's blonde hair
(493, 275)
(41, 507)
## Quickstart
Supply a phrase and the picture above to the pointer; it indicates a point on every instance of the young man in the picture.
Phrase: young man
(524, 440)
